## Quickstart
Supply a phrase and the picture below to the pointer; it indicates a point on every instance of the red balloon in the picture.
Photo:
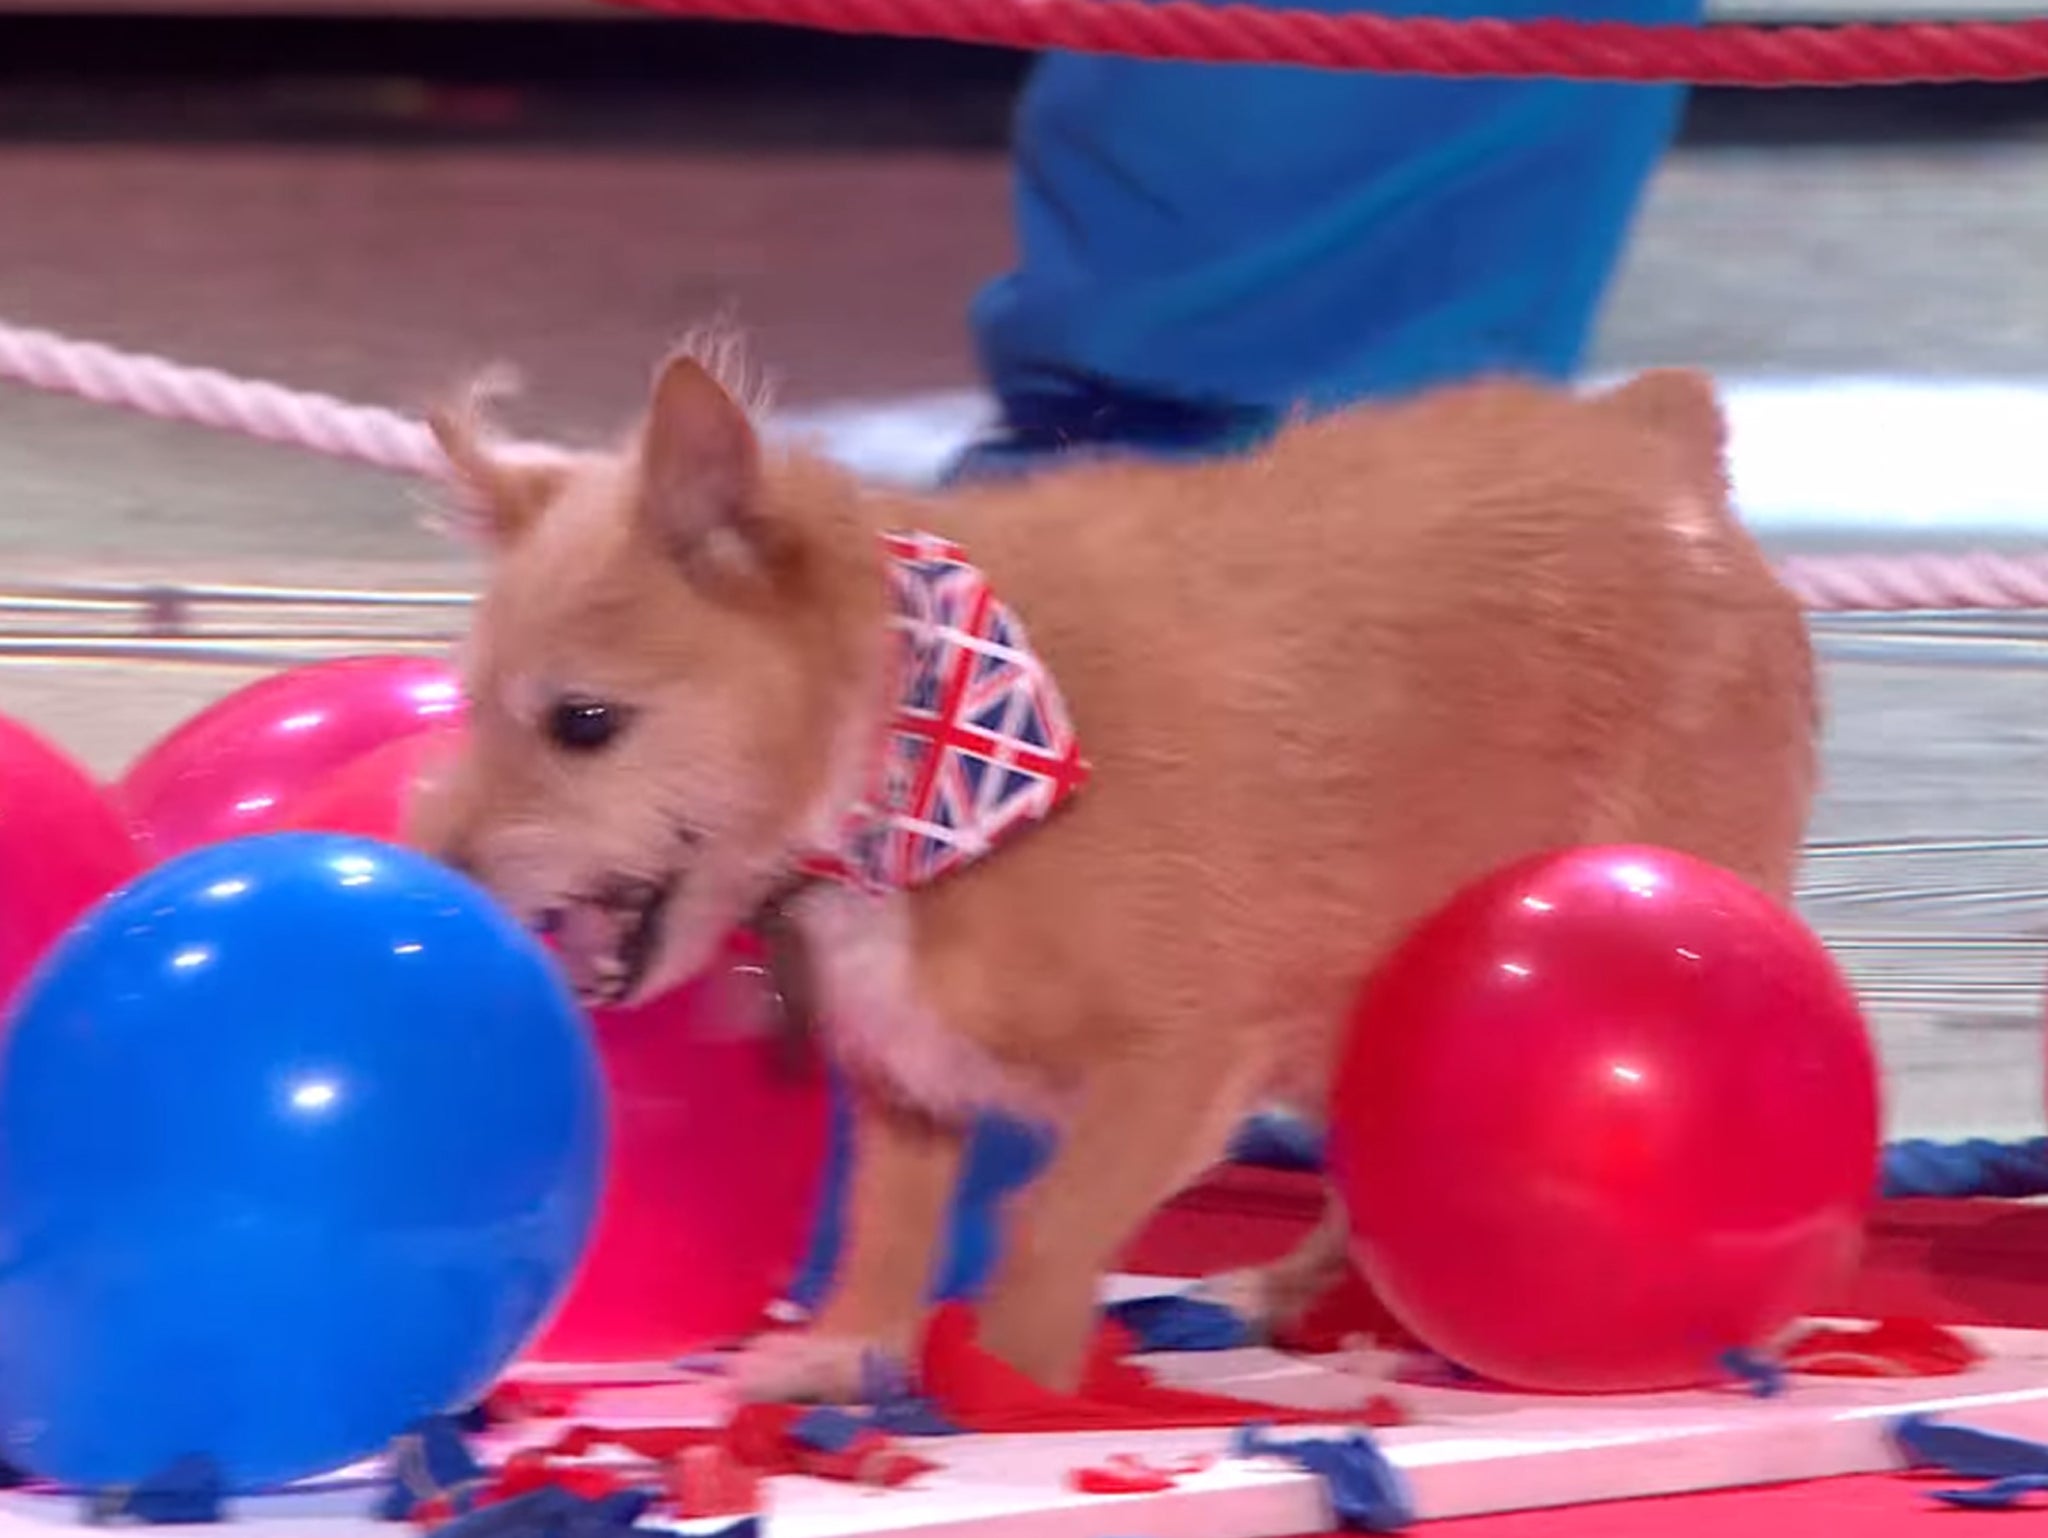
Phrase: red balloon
(224, 772)
(716, 1153)
(370, 796)
(1608, 1115)
(63, 846)
(717, 1156)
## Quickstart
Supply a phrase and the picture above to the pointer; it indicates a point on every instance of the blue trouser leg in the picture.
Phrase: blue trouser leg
(1203, 248)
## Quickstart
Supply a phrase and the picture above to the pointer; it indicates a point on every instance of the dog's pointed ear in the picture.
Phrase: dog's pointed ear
(700, 479)
(501, 489)
(1682, 407)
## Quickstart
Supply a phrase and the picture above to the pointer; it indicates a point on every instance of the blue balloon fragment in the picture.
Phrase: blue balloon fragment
(2012, 1468)
(553, 1512)
(430, 1462)
(910, 1415)
(301, 1138)
(827, 1429)
(1367, 1493)
(1999, 1495)
(894, 1406)
(189, 1492)
(1923, 1443)
(1172, 1322)
(1764, 1378)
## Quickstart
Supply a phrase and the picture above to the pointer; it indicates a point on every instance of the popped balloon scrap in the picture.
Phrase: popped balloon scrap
(554, 1512)
(578, 1487)
(574, 1487)
(1350, 1312)
(977, 1392)
(2009, 1469)
(430, 1469)
(893, 1403)
(1177, 1323)
(189, 1491)
(1761, 1375)
(1367, 1493)
(599, 1482)
(709, 1481)
(1129, 1474)
(1889, 1348)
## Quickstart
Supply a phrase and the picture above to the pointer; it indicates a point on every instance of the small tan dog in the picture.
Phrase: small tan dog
(1320, 688)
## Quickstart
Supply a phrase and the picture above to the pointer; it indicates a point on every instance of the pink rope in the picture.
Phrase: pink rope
(372, 435)
(1977, 579)
(204, 397)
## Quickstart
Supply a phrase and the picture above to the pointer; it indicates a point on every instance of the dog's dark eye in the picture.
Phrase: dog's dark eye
(584, 725)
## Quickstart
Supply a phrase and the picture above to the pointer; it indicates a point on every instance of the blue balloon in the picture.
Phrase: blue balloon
(301, 1138)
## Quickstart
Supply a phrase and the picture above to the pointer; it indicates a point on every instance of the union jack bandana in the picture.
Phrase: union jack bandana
(979, 745)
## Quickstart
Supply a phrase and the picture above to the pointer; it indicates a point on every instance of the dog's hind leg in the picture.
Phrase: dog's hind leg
(905, 1167)
(1275, 1296)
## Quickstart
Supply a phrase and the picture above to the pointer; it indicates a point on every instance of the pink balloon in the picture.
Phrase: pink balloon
(63, 846)
(717, 1155)
(371, 795)
(226, 772)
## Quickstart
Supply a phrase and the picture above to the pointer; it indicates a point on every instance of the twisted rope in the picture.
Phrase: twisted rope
(371, 435)
(1978, 579)
(204, 397)
(1889, 54)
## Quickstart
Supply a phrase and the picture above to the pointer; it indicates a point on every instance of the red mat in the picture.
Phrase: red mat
(1870, 1506)
(1977, 1262)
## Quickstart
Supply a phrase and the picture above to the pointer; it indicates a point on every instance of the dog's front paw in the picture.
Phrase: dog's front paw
(817, 1367)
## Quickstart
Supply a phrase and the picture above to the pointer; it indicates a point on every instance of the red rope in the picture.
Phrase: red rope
(1893, 54)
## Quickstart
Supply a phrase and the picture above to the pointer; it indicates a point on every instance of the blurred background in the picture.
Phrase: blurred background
(375, 199)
